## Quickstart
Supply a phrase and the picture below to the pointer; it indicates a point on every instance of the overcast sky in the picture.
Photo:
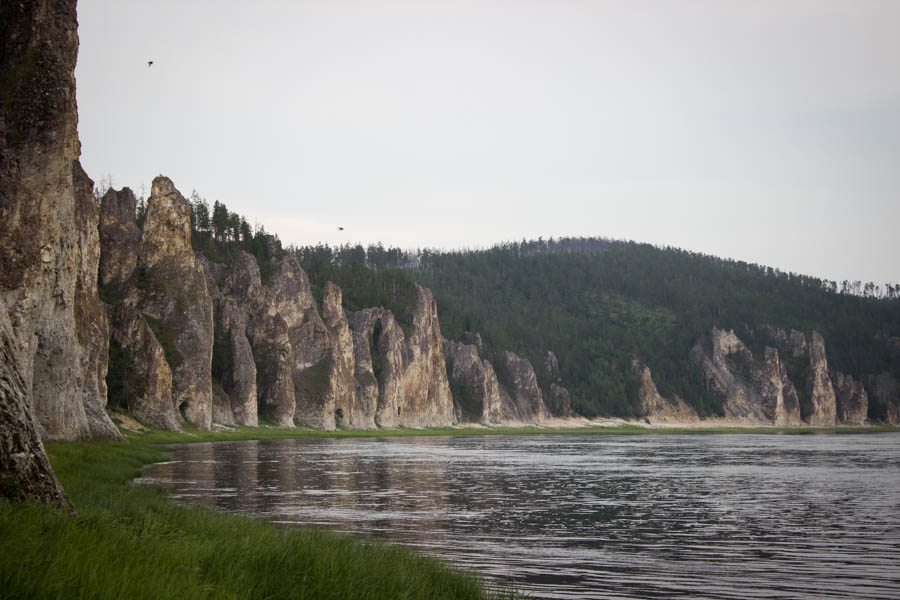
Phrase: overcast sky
(763, 131)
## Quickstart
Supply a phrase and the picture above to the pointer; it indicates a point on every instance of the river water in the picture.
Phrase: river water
(589, 516)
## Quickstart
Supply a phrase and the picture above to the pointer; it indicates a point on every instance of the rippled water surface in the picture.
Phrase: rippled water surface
(659, 516)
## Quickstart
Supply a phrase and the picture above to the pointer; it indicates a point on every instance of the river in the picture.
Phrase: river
(588, 516)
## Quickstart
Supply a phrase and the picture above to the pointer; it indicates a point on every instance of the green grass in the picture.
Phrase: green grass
(131, 541)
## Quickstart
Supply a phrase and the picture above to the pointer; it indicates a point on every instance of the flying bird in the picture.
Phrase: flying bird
(340, 228)
(149, 63)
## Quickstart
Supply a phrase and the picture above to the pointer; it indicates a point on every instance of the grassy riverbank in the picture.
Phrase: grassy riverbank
(131, 541)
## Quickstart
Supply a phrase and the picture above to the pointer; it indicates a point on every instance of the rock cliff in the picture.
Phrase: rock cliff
(884, 395)
(652, 406)
(163, 307)
(522, 399)
(474, 384)
(47, 226)
(556, 396)
(410, 370)
(757, 391)
(852, 405)
(52, 333)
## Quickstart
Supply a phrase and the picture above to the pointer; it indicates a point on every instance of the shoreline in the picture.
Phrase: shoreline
(610, 426)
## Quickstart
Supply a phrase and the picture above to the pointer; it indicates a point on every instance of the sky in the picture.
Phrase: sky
(765, 131)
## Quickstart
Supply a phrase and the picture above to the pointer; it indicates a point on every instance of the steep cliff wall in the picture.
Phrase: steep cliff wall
(476, 390)
(47, 229)
(354, 405)
(652, 406)
(752, 390)
(521, 398)
(410, 371)
(852, 400)
(162, 304)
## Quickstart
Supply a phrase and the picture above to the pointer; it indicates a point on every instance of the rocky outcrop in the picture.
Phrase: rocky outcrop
(91, 322)
(162, 284)
(152, 402)
(410, 370)
(773, 381)
(474, 384)
(884, 398)
(25, 473)
(47, 229)
(817, 402)
(819, 405)
(521, 396)
(353, 404)
(176, 297)
(119, 237)
(652, 406)
(290, 297)
(556, 396)
(236, 296)
(756, 391)
(852, 405)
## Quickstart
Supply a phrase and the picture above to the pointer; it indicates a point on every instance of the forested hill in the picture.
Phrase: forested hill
(597, 303)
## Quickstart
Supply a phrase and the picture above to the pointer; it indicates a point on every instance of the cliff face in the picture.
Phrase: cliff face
(476, 390)
(885, 397)
(771, 391)
(177, 299)
(163, 305)
(852, 405)
(521, 397)
(410, 372)
(53, 358)
(234, 303)
(25, 473)
(350, 399)
(652, 406)
(47, 229)
(556, 396)
(757, 391)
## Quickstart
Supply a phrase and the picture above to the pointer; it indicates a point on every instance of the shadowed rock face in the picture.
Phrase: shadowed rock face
(119, 237)
(651, 404)
(519, 392)
(884, 397)
(165, 287)
(235, 297)
(155, 406)
(556, 396)
(752, 390)
(476, 391)
(25, 472)
(852, 399)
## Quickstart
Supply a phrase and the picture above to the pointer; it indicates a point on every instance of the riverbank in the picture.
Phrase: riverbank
(132, 541)
(557, 427)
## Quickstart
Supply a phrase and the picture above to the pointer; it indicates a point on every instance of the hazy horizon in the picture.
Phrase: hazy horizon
(765, 132)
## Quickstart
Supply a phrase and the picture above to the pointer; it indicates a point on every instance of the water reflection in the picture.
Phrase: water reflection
(589, 516)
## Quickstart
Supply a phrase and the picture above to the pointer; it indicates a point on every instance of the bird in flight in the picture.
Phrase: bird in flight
(149, 63)
(340, 228)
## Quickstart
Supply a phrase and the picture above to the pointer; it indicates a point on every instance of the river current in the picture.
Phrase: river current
(588, 516)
